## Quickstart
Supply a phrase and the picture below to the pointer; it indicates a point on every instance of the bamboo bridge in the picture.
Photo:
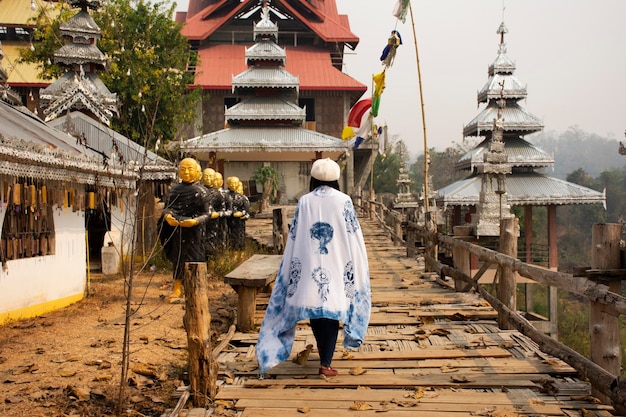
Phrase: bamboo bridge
(429, 351)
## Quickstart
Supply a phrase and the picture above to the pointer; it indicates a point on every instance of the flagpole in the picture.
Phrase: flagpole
(426, 153)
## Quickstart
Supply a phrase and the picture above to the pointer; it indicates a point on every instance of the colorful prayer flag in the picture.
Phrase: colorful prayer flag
(401, 9)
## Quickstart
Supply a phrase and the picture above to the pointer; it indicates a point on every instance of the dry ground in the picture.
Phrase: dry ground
(68, 362)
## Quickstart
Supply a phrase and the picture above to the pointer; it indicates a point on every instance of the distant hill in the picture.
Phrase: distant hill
(575, 149)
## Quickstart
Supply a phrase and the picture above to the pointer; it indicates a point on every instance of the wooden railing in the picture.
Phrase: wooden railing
(599, 284)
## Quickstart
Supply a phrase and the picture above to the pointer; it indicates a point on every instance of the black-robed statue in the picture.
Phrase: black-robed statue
(181, 226)
(240, 209)
(214, 237)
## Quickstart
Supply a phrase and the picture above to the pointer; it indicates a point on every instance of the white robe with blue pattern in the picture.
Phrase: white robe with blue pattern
(324, 273)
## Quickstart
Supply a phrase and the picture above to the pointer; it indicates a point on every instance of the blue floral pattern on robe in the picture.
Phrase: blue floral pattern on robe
(324, 273)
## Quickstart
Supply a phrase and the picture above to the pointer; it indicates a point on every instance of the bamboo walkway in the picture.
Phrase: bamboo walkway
(429, 351)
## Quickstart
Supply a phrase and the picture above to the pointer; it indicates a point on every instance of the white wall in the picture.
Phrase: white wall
(294, 174)
(29, 282)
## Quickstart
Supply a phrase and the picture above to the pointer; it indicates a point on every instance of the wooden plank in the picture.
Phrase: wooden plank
(257, 271)
(500, 368)
(466, 404)
(293, 412)
(383, 381)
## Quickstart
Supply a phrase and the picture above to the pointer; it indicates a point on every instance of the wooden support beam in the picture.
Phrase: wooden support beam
(604, 325)
(507, 287)
(197, 321)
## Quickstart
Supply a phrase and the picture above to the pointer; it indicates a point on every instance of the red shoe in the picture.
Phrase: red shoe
(328, 371)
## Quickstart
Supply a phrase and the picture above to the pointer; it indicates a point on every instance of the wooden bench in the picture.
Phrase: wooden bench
(254, 273)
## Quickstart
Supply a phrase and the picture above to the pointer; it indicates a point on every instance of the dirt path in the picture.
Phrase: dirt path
(68, 362)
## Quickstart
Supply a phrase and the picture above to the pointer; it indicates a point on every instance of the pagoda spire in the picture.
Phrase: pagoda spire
(493, 203)
(80, 88)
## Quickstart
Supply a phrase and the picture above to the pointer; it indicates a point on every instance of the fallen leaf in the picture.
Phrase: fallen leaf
(360, 406)
(346, 355)
(447, 369)
(136, 399)
(24, 369)
(304, 410)
(224, 403)
(303, 356)
(79, 393)
(357, 371)
(460, 378)
(145, 370)
(66, 371)
(157, 400)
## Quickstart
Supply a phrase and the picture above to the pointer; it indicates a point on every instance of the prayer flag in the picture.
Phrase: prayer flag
(401, 9)
(382, 140)
(347, 133)
(379, 83)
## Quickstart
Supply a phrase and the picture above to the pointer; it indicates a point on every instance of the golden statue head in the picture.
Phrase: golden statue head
(208, 177)
(198, 171)
(218, 180)
(188, 170)
(232, 183)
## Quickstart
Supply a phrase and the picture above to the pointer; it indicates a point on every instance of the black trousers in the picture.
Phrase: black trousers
(325, 332)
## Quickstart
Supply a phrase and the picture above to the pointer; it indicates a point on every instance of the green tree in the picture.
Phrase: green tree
(386, 171)
(267, 176)
(441, 168)
(148, 66)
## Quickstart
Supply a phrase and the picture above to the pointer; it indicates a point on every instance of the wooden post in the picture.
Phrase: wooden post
(431, 243)
(528, 243)
(398, 230)
(197, 321)
(279, 229)
(411, 240)
(603, 326)
(506, 284)
(461, 258)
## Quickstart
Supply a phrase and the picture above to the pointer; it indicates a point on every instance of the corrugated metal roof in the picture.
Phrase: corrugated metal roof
(267, 139)
(513, 88)
(312, 66)
(74, 92)
(266, 51)
(520, 153)
(31, 148)
(265, 108)
(265, 77)
(516, 119)
(530, 188)
(106, 141)
(502, 63)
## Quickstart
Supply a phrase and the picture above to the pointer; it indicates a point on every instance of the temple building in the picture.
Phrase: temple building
(274, 90)
(48, 188)
(79, 104)
(521, 163)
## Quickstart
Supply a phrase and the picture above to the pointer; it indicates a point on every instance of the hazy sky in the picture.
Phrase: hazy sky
(571, 55)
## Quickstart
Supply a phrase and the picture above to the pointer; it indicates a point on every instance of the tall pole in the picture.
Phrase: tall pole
(426, 153)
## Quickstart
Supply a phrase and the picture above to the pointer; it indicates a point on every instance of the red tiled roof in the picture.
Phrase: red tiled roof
(330, 25)
(201, 25)
(333, 28)
(312, 65)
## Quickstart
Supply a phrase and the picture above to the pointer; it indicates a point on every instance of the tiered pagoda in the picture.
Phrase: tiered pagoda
(520, 163)
(267, 121)
(80, 88)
